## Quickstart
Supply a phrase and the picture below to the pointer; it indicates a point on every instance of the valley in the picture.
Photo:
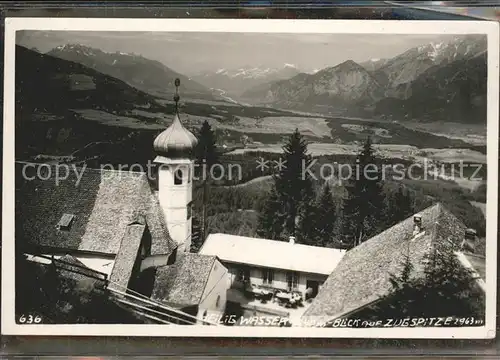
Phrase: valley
(405, 152)
(95, 108)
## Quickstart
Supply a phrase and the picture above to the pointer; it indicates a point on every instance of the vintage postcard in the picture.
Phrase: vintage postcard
(250, 178)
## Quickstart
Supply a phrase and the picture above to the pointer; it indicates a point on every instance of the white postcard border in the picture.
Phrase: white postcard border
(490, 28)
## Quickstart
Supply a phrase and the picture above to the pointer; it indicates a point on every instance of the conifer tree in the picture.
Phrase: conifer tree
(319, 229)
(327, 216)
(271, 218)
(294, 185)
(206, 156)
(294, 192)
(196, 236)
(206, 149)
(400, 205)
(364, 206)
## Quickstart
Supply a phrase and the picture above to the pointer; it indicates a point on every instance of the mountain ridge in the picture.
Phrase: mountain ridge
(71, 84)
(350, 88)
(148, 75)
(455, 92)
(347, 83)
(236, 81)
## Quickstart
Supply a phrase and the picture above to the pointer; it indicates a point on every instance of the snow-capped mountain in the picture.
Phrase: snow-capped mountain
(144, 74)
(236, 81)
(407, 67)
(419, 83)
(253, 72)
(454, 92)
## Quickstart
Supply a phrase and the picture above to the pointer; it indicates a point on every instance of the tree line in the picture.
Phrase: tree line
(296, 206)
(294, 209)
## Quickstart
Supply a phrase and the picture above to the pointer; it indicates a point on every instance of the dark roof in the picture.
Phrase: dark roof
(161, 242)
(103, 203)
(72, 268)
(363, 274)
(183, 283)
(127, 255)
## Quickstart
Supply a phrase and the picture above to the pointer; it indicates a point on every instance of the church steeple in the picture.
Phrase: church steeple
(176, 141)
(174, 148)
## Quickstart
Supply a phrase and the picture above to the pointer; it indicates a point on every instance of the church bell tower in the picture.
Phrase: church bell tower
(174, 148)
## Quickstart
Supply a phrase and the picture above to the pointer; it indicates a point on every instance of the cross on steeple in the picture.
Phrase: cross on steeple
(176, 96)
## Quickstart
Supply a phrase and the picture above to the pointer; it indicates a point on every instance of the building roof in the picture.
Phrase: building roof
(272, 253)
(183, 283)
(363, 274)
(127, 255)
(71, 267)
(103, 203)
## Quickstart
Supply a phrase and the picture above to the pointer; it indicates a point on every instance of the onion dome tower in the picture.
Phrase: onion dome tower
(174, 148)
(176, 141)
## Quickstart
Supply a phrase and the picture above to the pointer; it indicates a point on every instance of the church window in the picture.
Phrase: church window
(178, 177)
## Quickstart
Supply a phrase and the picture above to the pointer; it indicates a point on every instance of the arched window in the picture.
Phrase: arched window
(217, 302)
(178, 177)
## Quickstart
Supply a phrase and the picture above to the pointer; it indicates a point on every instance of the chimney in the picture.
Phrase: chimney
(469, 240)
(292, 240)
(417, 224)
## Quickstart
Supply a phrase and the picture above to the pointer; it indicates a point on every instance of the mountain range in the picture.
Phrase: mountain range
(438, 81)
(455, 92)
(236, 81)
(336, 86)
(51, 94)
(48, 84)
(435, 82)
(144, 74)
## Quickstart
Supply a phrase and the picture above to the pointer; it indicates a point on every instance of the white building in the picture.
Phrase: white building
(195, 284)
(274, 264)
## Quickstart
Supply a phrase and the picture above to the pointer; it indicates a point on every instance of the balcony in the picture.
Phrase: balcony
(266, 301)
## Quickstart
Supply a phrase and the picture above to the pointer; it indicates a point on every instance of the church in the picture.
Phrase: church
(134, 236)
(118, 225)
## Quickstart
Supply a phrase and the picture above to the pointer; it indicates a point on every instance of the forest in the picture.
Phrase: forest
(324, 211)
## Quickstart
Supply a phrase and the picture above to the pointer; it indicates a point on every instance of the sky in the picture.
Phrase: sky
(192, 53)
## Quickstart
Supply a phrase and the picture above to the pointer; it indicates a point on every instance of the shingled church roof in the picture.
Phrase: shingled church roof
(362, 276)
(97, 208)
